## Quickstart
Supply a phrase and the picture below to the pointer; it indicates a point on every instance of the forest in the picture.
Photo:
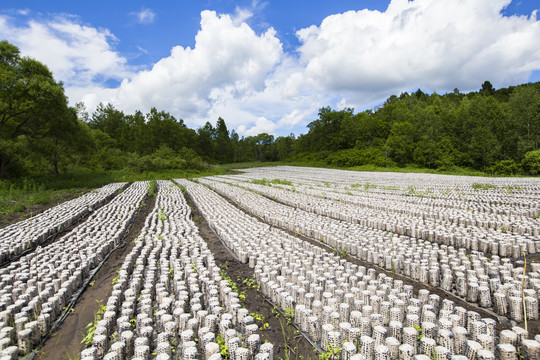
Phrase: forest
(496, 131)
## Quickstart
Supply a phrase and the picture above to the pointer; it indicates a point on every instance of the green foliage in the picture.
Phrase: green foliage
(268, 182)
(503, 167)
(331, 353)
(38, 130)
(162, 216)
(357, 157)
(531, 162)
(152, 188)
(483, 186)
(289, 315)
(116, 278)
(232, 284)
(91, 327)
(223, 348)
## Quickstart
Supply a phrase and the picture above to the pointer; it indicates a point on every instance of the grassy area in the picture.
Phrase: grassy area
(16, 199)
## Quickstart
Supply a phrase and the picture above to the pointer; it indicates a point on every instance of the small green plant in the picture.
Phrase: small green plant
(260, 319)
(223, 348)
(251, 282)
(367, 186)
(91, 327)
(289, 315)
(342, 254)
(232, 284)
(152, 188)
(419, 329)
(331, 353)
(116, 278)
(281, 182)
(483, 186)
(162, 216)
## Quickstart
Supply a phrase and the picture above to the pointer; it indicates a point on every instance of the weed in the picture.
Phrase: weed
(223, 348)
(232, 284)
(419, 329)
(483, 186)
(251, 282)
(152, 188)
(162, 216)
(331, 353)
(91, 327)
(289, 315)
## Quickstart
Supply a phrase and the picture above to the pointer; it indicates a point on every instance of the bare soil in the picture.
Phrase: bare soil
(276, 333)
(66, 342)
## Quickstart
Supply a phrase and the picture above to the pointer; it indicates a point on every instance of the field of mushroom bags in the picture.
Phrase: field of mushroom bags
(37, 289)
(27, 234)
(364, 265)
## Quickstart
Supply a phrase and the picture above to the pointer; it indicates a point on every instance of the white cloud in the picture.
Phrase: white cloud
(432, 44)
(262, 125)
(229, 61)
(145, 16)
(354, 59)
(79, 55)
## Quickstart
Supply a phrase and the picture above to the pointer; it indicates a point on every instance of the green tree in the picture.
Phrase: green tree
(30, 103)
(487, 88)
(223, 148)
(531, 162)
(205, 139)
(68, 137)
(525, 118)
(400, 143)
(111, 121)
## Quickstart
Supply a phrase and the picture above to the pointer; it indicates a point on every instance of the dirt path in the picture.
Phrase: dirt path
(66, 342)
(255, 302)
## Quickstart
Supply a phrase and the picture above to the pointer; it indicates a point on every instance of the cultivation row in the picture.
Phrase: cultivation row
(27, 234)
(426, 204)
(475, 193)
(38, 288)
(351, 309)
(488, 282)
(499, 235)
(169, 299)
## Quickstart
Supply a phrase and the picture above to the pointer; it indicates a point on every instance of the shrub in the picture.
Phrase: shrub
(531, 162)
(503, 167)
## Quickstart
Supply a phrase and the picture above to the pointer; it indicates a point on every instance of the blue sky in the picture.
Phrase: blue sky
(270, 65)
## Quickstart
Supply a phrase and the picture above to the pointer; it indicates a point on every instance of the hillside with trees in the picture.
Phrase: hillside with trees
(496, 131)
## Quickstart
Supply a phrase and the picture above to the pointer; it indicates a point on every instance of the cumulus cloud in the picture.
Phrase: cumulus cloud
(79, 55)
(229, 61)
(431, 44)
(354, 59)
(145, 16)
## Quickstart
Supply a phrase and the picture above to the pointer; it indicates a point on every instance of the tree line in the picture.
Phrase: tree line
(497, 131)
(492, 130)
